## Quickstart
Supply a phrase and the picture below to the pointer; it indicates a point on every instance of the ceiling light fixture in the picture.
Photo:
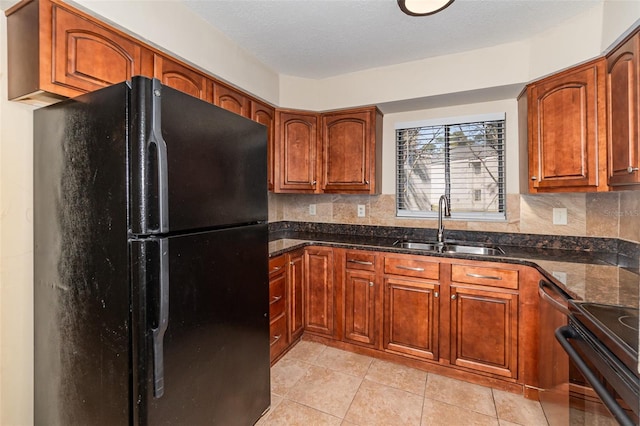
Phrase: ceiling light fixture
(423, 7)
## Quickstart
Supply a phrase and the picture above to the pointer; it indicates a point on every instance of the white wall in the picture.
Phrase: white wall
(16, 253)
(176, 30)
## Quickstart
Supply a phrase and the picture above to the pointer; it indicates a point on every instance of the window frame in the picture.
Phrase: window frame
(452, 121)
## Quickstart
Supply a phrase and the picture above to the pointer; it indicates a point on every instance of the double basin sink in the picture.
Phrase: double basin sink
(452, 247)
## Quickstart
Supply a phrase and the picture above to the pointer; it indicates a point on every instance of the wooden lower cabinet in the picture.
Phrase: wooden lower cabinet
(319, 291)
(361, 299)
(484, 330)
(411, 317)
(279, 339)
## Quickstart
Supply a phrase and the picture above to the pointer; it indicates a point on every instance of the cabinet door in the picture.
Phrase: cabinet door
(484, 330)
(360, 307)
(295, 277)
(85, 56)
(182, 78)
(319, 300)
(265, 115)
(411, 313)
(623, 92)
(231, 100)
(567, 131)
(349, 151)
(297, 150)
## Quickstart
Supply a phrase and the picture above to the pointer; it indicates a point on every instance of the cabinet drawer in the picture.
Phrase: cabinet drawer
(276, 297)
(278, 336)
(495, 277)
(363, 261)
(276, 264)
(411, 266)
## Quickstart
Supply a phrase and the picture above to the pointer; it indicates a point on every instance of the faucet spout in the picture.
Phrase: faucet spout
(444, 208)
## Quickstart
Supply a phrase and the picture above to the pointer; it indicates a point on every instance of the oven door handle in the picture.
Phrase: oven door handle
(564, 334)
(542, 285)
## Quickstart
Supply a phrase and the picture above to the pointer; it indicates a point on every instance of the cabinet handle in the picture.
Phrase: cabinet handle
(366, 182)
(359, 262)
(313, 183)
(454, 297)
(436, 294)
(277, 268)
(291, 263)
(534, 178)
(410, 268)
(632, 169)
(276, 338)
(370, 283)
(485, 277)
(275, 299)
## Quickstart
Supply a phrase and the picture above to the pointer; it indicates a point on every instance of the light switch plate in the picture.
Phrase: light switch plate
(361, 210)
(312, 209)
(559, 216)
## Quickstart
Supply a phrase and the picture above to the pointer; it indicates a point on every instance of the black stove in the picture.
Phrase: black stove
(615, 326)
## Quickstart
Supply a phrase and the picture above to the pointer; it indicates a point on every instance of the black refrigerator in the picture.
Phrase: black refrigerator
(150, 265)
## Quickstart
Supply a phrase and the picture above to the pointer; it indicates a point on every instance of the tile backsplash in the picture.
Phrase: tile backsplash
(610, 214)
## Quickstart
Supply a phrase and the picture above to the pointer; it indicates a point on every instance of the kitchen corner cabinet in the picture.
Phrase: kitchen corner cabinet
(484, 319)
(623, 100)
(56, 51)
(351, 151)
(295, 281)
(567, 130)
(361, 298)
(319, 291)
(266, 115)
(182, 78)
(411, 306)
(278, 339)
(334, 152)
(297, 151)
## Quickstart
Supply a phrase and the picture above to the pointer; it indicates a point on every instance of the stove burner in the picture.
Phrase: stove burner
(629, 321)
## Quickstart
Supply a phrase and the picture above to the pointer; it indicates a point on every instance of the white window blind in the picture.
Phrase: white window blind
(462, 158)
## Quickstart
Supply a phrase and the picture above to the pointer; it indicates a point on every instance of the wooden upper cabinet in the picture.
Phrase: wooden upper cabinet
(182, 78)
(567, 130)
(351, 142)
(623, 99)
(58, 50)
(266, 115)
(231, 100)
(297, 151)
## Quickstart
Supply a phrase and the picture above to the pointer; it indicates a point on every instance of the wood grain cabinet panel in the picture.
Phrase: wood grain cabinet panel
(278, 318)
(567, 131)
(231, 100)
(56, 49)
(484, 330)
(182, 78)
(266, 115)
(351, 151)
(319, 291)
(297, 133)
(411, 317)
(295, 277)
(623, 100)
(360, 300)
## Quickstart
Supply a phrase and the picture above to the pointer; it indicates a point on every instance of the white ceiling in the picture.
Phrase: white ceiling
(323, 38)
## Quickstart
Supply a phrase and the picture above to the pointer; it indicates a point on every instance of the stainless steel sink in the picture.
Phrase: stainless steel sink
(482, 250)
(479, 249)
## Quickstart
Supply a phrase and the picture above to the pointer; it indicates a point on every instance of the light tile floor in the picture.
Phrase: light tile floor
(315, 385)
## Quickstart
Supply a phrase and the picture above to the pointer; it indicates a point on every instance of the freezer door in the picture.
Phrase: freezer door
(194, 166)
(212, 288)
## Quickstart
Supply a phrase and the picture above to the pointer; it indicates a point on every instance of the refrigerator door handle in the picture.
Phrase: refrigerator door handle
(160, 145)
(163, 321)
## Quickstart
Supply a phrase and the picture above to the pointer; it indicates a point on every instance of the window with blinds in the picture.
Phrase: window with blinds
(460, 157)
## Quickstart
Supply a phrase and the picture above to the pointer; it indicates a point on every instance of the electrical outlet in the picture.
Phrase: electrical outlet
(561, 276)
(559, 216)
(312, 209)
(361, 210)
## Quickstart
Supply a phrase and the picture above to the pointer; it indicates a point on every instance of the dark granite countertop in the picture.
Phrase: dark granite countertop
(595, 270)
